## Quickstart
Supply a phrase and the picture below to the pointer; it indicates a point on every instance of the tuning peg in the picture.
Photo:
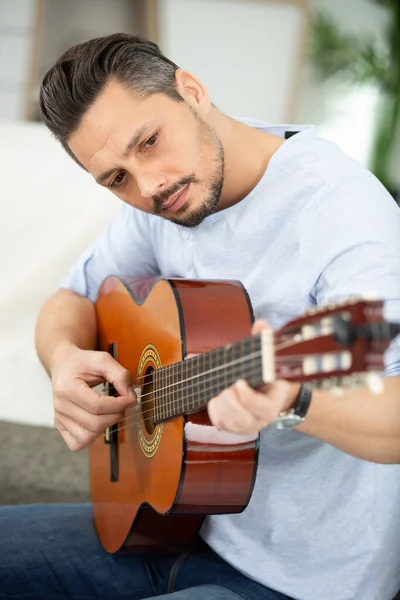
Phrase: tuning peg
(308, 332)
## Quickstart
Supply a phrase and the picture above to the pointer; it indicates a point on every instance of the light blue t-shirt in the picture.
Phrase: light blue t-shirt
(321, 524)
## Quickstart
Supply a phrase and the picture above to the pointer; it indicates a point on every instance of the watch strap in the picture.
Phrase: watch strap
(295, 415)
(303, 401)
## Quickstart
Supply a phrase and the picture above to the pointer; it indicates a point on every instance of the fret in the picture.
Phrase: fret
(210, 376)
(156, 415)
(193, 373)
(196, 382)
(188, 386)
(255, 363)
(186, 391)
(200, 381)
(173, 390)
(206, 379)
(245, 365)
(164, 392)
(181, 389)
(167, 391)
(220, 372)
(235, 367)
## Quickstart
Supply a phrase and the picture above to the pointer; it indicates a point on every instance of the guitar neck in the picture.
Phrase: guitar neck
(187, 386)
(325, 346)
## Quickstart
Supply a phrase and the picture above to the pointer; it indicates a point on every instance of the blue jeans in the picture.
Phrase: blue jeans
(52, 552)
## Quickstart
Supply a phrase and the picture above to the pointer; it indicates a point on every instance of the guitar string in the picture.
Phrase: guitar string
(172, 405)
(168, 372)
(285, 360)
(277, 347)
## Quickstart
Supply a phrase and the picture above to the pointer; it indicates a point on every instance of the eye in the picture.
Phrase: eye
(151, 141)
(118, 180)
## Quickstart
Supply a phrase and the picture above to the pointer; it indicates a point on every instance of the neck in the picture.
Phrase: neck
(247, 155)
(187, 386)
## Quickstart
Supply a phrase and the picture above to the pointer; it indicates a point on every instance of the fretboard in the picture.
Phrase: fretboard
(187, 386)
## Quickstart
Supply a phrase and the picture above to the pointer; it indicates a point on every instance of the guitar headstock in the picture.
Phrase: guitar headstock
(336, 345)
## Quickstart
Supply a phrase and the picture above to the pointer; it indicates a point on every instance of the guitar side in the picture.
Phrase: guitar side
(170, 475)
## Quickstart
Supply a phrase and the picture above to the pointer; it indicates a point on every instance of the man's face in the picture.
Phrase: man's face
(156, 154)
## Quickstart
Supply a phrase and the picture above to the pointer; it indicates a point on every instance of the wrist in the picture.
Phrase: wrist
(59, 354)
(292, 397)
(297, 408)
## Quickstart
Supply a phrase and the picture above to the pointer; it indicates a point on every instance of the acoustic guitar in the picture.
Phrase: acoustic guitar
(158, 472)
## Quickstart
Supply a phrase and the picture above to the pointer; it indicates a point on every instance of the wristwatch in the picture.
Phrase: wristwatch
(296, 415)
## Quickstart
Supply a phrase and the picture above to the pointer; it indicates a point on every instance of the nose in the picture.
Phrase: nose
(151, 183)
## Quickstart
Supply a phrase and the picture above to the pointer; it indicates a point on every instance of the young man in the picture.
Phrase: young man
(299, 223)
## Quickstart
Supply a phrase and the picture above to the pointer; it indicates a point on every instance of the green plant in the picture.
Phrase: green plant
(359, 60)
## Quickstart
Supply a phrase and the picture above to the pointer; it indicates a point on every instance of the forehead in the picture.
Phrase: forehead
(112, 119)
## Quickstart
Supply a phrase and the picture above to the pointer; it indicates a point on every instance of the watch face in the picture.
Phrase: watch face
(287, 421)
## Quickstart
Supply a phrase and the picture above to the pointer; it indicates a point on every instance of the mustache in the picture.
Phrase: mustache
(160, 199)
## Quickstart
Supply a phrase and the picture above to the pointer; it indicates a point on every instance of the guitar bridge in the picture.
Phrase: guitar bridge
(111, 433)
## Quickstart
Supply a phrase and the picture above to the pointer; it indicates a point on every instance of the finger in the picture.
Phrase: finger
(116, 374)
(262, 406)
(94, 423)
(69, 439)
(228, 414)
(93, 402)
(83, 437)
(258, 326)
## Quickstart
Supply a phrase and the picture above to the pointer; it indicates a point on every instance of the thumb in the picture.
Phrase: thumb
(258, 326)
(119, 377)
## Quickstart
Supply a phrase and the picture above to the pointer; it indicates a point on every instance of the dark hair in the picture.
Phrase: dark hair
(74, 82)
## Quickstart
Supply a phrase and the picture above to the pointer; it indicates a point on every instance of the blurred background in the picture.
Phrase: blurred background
(332, 64)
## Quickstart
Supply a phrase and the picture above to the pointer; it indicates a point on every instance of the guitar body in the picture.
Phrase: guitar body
(152, 485)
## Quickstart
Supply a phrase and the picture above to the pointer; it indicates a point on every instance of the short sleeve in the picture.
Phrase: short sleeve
(124, 249)
(349, 246)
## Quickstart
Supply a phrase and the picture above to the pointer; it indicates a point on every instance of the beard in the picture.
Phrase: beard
(209, 140)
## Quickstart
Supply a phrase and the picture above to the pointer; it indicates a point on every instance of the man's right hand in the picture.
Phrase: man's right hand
(80, 413)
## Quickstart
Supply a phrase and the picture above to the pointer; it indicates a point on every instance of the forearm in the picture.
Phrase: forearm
(65, 321)
(358, 422)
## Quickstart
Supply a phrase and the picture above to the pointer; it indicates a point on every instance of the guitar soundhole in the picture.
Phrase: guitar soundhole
(148, 401)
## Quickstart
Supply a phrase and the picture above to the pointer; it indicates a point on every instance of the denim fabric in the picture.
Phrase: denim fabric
(52, 552)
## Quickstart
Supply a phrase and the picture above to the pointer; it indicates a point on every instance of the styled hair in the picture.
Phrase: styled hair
(77, 78)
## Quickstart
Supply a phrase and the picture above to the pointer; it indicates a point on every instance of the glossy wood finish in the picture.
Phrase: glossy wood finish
(196, 469)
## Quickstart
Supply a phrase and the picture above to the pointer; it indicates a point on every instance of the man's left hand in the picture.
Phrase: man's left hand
(243, 410)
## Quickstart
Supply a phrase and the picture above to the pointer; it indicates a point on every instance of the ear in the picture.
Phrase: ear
(192, 91)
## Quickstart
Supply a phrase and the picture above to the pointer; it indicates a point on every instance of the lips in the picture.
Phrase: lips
(177, 200)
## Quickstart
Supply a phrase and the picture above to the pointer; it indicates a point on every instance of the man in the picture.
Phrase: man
(299, 223)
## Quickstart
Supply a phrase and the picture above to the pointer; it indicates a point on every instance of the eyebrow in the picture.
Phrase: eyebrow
(131, 145)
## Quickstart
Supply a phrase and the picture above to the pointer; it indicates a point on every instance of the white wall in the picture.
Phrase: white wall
(73, 21)
(16, 29)
(244, 51)
(51, 210)
(66, 22)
